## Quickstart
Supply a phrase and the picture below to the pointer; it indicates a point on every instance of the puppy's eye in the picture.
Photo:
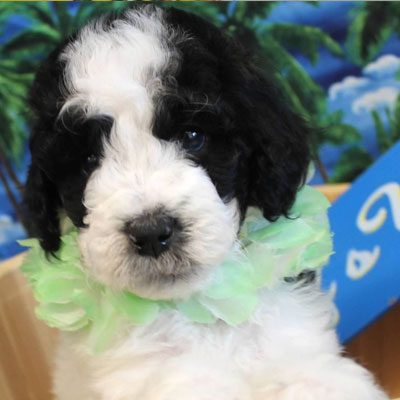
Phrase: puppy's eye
(193, 140)
(90, 163)
(92, 159)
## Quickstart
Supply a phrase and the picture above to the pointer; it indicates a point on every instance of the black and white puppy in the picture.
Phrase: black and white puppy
(154, 132)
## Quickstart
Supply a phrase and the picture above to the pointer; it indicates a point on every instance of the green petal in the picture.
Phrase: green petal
(309, 201)
(254, 221)
(69, 250)
(195, 311)
(234, 310)
(34, 261)
(57, 288)
(317, 254)
(88, 301)
(263, 261)
(232, 277)
(29, 242)
(104, 329)
(297, 232)
(140, 311)
(270, 229)
(62, 316)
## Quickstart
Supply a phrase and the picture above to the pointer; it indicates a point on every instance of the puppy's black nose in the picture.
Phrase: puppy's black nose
(151, 236)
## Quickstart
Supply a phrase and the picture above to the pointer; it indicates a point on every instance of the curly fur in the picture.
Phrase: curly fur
(112, 105)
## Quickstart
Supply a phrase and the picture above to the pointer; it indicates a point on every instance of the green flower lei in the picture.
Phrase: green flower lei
(71, 301)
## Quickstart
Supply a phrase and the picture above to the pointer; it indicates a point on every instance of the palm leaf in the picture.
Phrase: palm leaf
(382, 137)
(371, 28)
(291, 97)
(93, 9)
(304, 39)
(351, 164)
(10, 8)
(251, 10)
(39, 11)
(12, 134)
(393, 125)
(31, 41)
(311, 95)
(335, 117)
(396, 121)
(339, 134)
(215, 12)
(64, 18)
(20, 65)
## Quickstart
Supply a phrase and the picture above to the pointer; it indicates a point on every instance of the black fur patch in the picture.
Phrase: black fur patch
(257, 149)
(65, 150)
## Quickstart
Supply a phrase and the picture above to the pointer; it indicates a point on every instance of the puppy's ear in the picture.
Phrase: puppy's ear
(42, 202)
(41, 198)
(279, 145)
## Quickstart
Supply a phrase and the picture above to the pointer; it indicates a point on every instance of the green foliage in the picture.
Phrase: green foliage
(51, 23)
(351, 164)
(387, 137)
(382, 136)
(304, 39)
(356, 159)
(373, 24)
(14, 80)
(340, 134)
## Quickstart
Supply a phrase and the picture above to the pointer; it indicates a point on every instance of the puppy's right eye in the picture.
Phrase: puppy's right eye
(193, 140)
(92, 159)
(90, 163)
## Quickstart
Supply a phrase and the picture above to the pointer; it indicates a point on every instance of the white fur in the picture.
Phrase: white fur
(287, 350)
(140, 173)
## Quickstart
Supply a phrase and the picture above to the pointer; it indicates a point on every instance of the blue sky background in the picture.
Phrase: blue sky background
(350, 88)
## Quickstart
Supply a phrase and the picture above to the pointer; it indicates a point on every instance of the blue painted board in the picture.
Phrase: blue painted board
(365, 269)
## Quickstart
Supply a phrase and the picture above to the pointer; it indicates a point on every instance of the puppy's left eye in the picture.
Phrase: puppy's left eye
(91, 162)
(92, 159)
(193, 140)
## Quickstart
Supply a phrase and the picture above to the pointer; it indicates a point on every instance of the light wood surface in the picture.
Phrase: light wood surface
(378, 349)
(333, 191)
(27, 345)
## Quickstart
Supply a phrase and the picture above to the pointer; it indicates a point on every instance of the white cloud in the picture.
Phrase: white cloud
(9, 230)
(385, 96)
(384, 67)
(347, 86)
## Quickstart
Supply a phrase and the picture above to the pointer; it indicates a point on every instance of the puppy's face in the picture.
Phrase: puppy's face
(154, 133)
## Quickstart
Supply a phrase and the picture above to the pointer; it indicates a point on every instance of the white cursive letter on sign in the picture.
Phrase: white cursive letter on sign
(359, 263)
(392, 190)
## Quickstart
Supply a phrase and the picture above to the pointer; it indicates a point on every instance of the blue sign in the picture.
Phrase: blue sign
(364, 272)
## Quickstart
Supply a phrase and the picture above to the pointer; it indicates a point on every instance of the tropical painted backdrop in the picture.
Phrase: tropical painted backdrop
(336, 62)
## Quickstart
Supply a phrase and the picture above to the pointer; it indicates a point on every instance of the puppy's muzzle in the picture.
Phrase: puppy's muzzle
(152, 235)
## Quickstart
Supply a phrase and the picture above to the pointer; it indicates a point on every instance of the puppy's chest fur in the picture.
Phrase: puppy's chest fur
(173, 351)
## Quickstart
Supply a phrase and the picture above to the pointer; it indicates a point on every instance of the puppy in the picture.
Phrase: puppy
(154, 133)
